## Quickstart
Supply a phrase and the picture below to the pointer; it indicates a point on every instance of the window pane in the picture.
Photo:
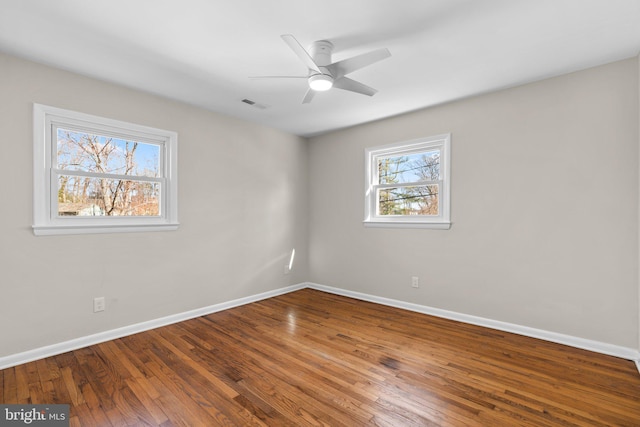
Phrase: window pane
(101, 154)
(418, 200)
(85, 196)
(410, 168)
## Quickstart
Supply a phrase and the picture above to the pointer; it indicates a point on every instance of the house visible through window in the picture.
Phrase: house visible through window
(100, 175)
(407, 184)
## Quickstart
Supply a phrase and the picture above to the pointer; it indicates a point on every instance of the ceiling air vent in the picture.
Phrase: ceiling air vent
(254, 104)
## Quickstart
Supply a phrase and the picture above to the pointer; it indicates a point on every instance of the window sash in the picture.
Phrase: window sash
(57, 173)
(141, 178)
(107, 133)
(399, 205)
(408, 184)
(380, 158)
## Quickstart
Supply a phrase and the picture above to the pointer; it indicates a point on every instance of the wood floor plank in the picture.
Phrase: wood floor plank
(10, 387)
(20, 381)
(309, 358)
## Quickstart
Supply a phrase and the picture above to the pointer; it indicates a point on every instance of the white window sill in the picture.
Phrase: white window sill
(408, 224)
(41, 230)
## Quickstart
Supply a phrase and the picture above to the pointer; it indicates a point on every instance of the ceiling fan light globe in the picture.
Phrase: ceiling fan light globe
(320, 82)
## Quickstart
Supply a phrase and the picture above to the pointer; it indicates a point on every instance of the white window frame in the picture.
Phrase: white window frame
(440, 221)
(46, 220)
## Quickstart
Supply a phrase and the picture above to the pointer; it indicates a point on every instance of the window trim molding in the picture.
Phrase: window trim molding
(45, 222)
(440, 222)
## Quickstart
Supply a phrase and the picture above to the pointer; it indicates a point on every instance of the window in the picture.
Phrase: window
(407, 184)
(97, 175)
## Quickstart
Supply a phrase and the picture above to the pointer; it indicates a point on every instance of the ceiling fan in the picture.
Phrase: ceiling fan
(323, 74)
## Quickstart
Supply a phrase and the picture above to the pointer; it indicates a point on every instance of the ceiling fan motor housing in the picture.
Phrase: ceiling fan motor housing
(321, 52)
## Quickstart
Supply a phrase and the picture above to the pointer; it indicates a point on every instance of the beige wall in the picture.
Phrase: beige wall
(544, 208)
(545, 196)
(242, 205)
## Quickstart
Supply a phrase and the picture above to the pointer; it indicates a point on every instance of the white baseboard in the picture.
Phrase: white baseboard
(585, 344)
(74, 344)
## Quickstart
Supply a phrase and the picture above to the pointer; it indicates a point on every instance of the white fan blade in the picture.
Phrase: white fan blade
(350, 65)
(278, 77)
(345, 83)
(299, 50)
(309, 96)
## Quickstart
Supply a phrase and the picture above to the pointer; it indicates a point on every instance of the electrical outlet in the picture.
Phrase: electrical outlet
(99, 304)
(415, 282)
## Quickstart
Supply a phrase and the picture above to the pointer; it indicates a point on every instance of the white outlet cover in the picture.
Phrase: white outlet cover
(98, 304)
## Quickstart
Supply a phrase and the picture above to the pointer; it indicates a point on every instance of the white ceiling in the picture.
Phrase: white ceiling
(203, 51)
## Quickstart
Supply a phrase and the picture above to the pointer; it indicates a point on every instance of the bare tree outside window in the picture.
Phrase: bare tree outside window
(421, 171)
(93, 169)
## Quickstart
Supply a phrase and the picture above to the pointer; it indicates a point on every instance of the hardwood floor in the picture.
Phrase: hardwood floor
(314, 359)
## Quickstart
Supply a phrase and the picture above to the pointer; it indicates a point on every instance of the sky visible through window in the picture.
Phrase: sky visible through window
(409, 168)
